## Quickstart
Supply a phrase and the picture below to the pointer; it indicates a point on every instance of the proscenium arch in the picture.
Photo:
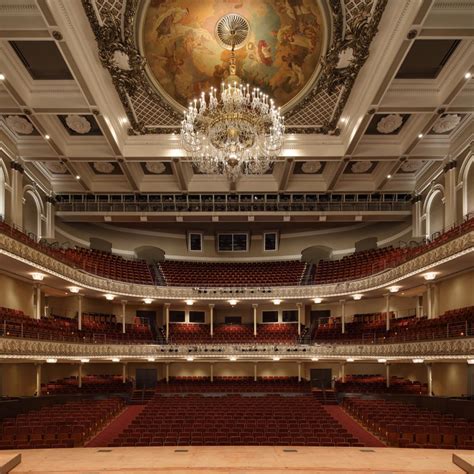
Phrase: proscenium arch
(437, 191)
(30, 191)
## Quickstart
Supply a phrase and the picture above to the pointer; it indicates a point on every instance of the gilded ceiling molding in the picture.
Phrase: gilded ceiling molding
(354, 26)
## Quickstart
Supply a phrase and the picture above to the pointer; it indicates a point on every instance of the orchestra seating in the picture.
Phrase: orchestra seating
(378, 384)
(192, 333)
(58, 426)
(232, 385)
(14, 323)
(407, 426)
(205, 274)
(90, 384)
(452, 324)
(269, 420)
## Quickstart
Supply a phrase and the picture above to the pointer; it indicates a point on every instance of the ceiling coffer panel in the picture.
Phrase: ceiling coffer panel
(338, 52)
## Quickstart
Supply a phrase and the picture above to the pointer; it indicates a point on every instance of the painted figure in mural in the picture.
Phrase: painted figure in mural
(280, 55)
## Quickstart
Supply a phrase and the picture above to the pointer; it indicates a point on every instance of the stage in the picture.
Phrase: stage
(236, 460)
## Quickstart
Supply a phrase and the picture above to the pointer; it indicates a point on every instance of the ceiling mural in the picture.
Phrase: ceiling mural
(306, 54)
(280, 56)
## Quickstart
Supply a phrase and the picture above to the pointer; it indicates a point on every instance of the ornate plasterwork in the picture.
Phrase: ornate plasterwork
(78, 124)
(311, 167)
(19, 124)
(354, 25)
(15, 348)
(455, 248)
(390, 123)
(446, 123)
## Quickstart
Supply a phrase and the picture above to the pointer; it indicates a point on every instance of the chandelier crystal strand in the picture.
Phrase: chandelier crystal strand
(235, 131)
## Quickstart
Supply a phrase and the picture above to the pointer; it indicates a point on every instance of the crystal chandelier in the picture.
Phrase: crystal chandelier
(236, 130)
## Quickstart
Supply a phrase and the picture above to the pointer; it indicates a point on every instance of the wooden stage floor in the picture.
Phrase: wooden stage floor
(236, 460)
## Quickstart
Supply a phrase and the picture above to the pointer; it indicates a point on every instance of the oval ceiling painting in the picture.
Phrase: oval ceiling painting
(281, 55)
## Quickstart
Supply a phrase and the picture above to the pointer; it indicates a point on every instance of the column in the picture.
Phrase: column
(343, 315)
(343, 372)
(429, 374)
(299, 305)
(419, 306)
(387, 374)
(434, 296)
(38, 380)
(37, 301)
(17, 194)
(429, 301)
(124, 304)
(79, 312)
(211, 317)
(79, 375)
(450, 194)
(255, 306)
(299, 371)
(124, 372)
(416, 216)
(387, 311)
(211, 371)
(50, 217)
(167, 320)
(167, 372)
(255, 371)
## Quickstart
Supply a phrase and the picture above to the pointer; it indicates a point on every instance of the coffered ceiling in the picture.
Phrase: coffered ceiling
(397, 102)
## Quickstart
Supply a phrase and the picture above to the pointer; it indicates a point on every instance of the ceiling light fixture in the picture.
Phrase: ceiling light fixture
(470, 361)
(2, 77)
(150, 359)
(357, 297)
(381, 361)
(318, 300)
(468, 75)
(74, 289)
(38, 276)
(418, 361)
(148, 301)
(275, 358)
(394, 288)
(238, 130)
(189, 359)
(232, 302)
(109, 297)
(276, 302)
(420, 135)
(47, 137)
(314, 359)
(233, 358)
(350, 359)
(85, 361)
(430, 276)
(51, 361)
(389, 176)
(189, 302)
(115, 359)
(78, 177)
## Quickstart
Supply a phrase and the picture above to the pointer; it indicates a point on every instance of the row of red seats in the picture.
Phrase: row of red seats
(368, 262)
(272, 420)
(90, 384)
(452, 324)
(229, 274)
(378, 384)
(58, 426)
(189, 333)
(232, 385)
(405, 425)
(15, 323)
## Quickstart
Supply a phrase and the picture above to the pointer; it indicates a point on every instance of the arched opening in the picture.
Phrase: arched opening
(150, 253)
(316, 253)
(2, 193)
(32, 214)
(435, 213)
(468, 187)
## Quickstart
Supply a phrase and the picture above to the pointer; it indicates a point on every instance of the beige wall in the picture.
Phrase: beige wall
(18, 380)
(450, 379)
(456, 292)
(16, 294)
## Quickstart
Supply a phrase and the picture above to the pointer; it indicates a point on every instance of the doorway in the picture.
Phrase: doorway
(321, 378)
(145, 378)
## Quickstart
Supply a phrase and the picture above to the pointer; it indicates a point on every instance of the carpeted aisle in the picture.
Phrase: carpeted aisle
(115, 427)
(353, 427)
